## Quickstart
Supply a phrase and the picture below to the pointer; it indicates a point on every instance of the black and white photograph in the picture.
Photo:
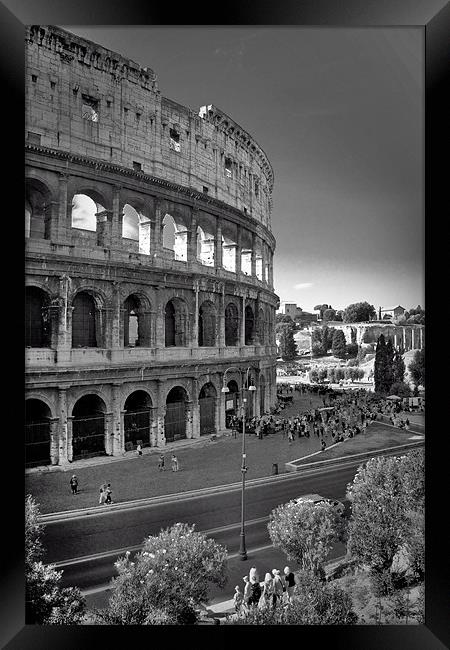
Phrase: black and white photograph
(224, 321)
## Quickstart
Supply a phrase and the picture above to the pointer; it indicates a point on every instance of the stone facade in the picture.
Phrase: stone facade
(406, 337)
(129, 332)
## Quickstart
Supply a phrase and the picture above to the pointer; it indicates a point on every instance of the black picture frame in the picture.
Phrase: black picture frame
(434, 18)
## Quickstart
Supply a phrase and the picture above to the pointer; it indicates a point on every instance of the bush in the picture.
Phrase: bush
(401, 389)
(352, 362)
(351, 349)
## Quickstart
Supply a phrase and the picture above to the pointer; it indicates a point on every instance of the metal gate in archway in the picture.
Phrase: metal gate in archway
(207, 415)
(88, 437)
(175, 421)
(137, 428)
(37, 444)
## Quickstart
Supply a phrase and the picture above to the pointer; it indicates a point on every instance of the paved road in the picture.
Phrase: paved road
(112, 533)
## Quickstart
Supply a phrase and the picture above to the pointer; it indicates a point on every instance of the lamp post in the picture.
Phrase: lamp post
(225, 389)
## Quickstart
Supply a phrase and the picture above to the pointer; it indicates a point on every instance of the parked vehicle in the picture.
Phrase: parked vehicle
(317, 498)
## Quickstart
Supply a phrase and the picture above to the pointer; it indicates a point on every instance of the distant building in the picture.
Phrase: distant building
(289, 309)
(393, 313)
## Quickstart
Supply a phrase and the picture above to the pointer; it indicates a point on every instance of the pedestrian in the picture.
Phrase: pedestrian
(253, 575)
(247, 591)
(255, 593)
(174, 463)
(74, 484)
(139, 450)
(161, 463)
(323, 444)
(289, 579)
(266, 599)
(278, 587)
(108, 491)
(102, 496)
(238, 599)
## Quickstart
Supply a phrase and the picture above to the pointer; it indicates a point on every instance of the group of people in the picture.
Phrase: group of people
(162, 463)
(275, 590)
(344, 415)
(105, 494)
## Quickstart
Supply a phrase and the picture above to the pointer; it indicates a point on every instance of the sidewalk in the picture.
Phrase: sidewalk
(204, 462)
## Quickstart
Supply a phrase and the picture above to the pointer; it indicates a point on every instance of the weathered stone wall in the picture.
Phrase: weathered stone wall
(159, 157)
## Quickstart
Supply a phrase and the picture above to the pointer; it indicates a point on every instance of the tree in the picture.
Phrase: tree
(338, 346)
(339, 316)
(400, 389)
(167, 579)
(358, 312)
(384, 355)
(288, 348)
(305, 532)
(46, 602)
(322, 308)
(398, 368)
(283, 318)
(417, 368)
(351, 350)
(327, 338)
(329, 314)
(380, 523)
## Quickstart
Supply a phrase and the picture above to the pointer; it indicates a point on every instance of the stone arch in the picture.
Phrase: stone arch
(231, 324)
(175, 419)
(207, 324)
(136, 321)
(136, 224)
(229, 252)
(249, 325)
(137, 419)
(37, 317)
(205, 247)
(38, 416)
(176, 323)
(38, 199)
(86, 204)
(88, 426)
(174, 236)
(246, 252)
(87, 319)
(207, 399)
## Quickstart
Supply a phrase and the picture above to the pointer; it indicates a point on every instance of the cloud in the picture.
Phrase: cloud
(303, 285)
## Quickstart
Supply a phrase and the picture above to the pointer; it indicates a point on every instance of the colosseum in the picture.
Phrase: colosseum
(149, 259)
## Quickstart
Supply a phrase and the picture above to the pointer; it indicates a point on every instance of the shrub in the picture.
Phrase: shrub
(351, 349)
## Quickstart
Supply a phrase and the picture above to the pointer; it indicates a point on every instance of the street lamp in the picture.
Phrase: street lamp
(225, 389)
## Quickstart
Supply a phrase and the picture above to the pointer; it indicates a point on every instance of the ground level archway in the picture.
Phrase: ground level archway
(88, 427)
(137, 420)
(231, 402)
(37, 433)
(175, 418)
(207, 405)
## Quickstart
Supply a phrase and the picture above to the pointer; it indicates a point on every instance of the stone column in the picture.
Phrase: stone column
(63, 434)
(221, 319)
(156, 230)
(195, 410)
(109, 433)
(69, 439)
(238, 250)
(64, 337)
(54, 441)
(271, 270)
(218, 245)
(116, 317)
(412, 338)
(421, 338)
(158, 423)
(242, 341)
(117, 429)
(404, 339)
(194, 342)
(117, 218)
(64, 218)
(104, 228)
(189, 410)
(160, 319)
(253, 258)
(192, 238)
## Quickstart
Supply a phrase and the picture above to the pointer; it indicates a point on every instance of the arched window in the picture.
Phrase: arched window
(137, 420)
(84, 328)
(229, 254)
(249, 325)
(136, 227)
(207, 324)
(175, 238)
(131, 323)
(231, 324)
(170, 325)
(88, 427)
(84, 211)
(246, 261)
(37, 210)
(37, 320)
(175, 417)
(205, 247)
(37, 433)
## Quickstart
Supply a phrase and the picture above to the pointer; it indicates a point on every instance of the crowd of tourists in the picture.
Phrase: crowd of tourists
(343, 415)
(276, 589)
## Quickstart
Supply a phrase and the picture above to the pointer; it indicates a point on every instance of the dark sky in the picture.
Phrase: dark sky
(339, 112)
